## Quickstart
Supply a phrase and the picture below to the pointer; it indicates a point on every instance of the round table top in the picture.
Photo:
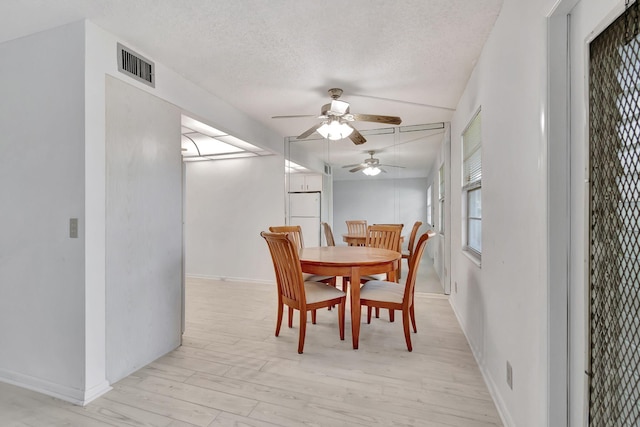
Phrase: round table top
(347, 255)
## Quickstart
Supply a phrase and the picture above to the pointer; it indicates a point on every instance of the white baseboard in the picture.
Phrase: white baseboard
(230, 279)
(66, 393)
(507, 420)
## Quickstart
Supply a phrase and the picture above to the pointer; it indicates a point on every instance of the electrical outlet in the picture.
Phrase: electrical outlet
(509, 375)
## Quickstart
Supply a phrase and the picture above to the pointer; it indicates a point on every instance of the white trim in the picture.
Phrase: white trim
(473, 257)
(558, 215)
(68, 394)
(501, 406)
(230, 279)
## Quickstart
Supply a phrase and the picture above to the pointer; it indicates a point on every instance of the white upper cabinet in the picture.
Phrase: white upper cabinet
(305, 182)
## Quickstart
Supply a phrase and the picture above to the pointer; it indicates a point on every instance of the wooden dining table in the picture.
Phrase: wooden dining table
(352, 262)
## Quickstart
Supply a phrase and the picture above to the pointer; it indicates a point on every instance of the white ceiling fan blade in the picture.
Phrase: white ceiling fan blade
(393, 166)
(353, 165)
(359, 168)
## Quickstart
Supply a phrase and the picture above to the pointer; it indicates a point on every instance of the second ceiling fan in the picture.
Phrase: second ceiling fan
(370, 166)
(336, 119)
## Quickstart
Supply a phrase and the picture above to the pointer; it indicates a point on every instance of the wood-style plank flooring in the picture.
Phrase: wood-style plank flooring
(232, 371)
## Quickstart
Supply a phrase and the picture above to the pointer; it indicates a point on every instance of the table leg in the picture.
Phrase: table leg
(392, 276)
(355, 305)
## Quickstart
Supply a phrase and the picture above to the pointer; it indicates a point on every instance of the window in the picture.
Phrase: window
(441, 200)
(472, 186)
(429, 207)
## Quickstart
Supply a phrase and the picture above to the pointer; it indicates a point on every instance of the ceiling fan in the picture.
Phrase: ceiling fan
(336, 117)
(370, 166)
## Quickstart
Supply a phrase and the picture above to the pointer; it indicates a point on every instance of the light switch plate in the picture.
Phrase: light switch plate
(73, 228)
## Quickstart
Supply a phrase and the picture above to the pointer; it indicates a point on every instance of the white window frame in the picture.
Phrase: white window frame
(471, 180)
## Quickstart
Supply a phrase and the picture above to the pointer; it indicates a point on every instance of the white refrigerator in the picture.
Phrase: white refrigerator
(304, 210)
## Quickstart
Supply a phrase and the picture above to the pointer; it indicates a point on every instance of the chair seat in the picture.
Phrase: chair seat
(315, 292)
(378, 277)
(380, 290)
(315, 278)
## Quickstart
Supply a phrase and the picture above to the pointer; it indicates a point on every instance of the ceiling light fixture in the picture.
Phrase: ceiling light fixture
(371, 171)
(203, 142)
(334, 130)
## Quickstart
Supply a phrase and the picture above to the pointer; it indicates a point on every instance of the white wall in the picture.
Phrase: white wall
(382, 201)
(42, 186)
(144, 229)
(502, 305)
(228, 204)
(53, 167)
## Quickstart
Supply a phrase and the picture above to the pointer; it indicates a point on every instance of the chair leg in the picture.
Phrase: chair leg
(341, 319)
(369, 309)
(392, 316)
(412, 313)
(405, 326)
(279, 321)
(290, 317)
(303, 330)
(313, 317)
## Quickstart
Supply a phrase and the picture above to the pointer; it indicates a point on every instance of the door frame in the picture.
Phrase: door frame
(567, 207)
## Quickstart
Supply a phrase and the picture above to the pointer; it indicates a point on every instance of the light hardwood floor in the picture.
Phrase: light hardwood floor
(233, 371)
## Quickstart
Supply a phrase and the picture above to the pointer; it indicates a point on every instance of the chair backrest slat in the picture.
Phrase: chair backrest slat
(357, 226)
(295, 231)
(412, 238)
(328, 234)
(384, 236)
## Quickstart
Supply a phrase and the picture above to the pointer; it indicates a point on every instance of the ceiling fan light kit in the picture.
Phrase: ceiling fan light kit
(371, 171)
(335, 116)
(334, 130)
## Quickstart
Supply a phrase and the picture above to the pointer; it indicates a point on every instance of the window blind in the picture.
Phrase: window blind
(472, 154)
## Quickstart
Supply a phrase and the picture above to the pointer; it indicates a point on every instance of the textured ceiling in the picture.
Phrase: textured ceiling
(408, 58)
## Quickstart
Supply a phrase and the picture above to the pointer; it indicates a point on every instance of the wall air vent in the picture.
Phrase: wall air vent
(136, 66)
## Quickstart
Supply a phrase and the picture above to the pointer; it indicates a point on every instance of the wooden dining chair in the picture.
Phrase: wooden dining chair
(358, 226)
(383, 236)
(294, 291)
(390, 295)
(328, 234)
(295, 231)
(412, 240)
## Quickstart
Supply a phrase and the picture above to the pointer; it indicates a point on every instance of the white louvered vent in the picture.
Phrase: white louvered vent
(136, 66)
